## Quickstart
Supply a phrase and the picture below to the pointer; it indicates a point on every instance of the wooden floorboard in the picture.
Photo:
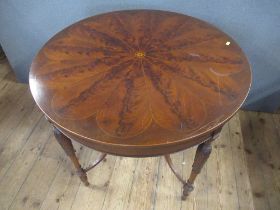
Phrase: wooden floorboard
(12, 145)
(261, 140)
(23, 164)
(243, 171)
(240, 164)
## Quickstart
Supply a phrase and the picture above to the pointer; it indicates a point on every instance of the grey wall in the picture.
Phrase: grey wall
(255, 24)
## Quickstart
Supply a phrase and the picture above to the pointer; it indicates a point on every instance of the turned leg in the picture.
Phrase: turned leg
(68, 148)
(202, 153)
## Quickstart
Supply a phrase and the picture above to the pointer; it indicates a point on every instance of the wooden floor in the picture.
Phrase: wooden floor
(243, 171)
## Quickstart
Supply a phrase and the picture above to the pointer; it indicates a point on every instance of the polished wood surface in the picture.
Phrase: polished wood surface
(141, 79)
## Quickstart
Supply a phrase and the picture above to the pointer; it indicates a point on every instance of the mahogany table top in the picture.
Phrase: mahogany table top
(140, 77)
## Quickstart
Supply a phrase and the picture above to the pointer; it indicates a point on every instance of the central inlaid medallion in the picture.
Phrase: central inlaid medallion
(140, 54)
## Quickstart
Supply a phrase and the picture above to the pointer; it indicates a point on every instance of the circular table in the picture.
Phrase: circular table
(140, 83)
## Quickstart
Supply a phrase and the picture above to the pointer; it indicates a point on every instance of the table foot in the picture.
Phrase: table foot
(187, 189)
(83, 176)
(68, 148)
(202, 153)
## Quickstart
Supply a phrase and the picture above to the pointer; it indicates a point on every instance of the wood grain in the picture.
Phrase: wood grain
(261, 140)
(139, 78)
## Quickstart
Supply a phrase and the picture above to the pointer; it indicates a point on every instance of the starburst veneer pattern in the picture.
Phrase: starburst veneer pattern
(140, 78)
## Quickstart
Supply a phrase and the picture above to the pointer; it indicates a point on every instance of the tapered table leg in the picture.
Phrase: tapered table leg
(202, 153)
(68, 148)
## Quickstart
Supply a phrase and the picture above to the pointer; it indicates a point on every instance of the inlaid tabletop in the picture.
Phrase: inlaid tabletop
(140, 77)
